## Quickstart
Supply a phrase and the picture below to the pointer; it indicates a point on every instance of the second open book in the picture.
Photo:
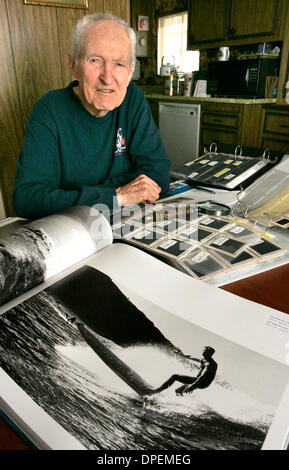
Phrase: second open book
(78, 350)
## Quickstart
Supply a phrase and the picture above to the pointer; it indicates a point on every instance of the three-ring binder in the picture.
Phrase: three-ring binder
(224, 170)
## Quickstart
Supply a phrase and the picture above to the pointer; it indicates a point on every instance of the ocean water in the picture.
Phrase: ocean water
(22, 261)
(48, 358)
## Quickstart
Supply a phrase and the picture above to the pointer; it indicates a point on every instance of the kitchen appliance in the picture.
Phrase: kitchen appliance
(240, 78)
(167, 67)
(179, 126)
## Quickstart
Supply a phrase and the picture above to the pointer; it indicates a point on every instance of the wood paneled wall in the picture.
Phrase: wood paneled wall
(33, 46)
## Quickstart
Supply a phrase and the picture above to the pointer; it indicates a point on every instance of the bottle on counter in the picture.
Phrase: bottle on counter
(181, 83)
(170, 85)
(188, 84)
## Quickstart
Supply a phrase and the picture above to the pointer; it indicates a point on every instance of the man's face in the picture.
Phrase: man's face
(104, 68)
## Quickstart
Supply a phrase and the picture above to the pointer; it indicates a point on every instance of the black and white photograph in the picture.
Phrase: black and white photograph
(23, 257)
(119, 372)
(37, 250)
(144, 228)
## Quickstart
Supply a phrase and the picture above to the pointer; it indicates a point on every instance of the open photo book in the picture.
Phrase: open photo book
(103, 346)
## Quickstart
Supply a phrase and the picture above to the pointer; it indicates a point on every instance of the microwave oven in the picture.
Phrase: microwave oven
(244, 78)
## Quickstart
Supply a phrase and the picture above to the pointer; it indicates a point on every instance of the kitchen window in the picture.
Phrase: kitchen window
(172, 41)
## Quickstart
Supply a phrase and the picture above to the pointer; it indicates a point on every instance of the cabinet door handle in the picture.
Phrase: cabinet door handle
(217, 120)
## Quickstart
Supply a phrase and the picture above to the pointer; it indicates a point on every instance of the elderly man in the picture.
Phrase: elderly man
(93, 142)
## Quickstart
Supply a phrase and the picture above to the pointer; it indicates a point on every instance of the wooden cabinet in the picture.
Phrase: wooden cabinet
(276, 128)
(220, 124)
(254, 19)
(207, 22)
(238, 124)
(213, 23)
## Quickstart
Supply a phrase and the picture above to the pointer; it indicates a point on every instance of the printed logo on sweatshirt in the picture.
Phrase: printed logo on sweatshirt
(120, 146)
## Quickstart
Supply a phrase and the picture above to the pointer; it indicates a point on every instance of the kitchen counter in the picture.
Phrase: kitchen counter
(226, 120)
(192, 99)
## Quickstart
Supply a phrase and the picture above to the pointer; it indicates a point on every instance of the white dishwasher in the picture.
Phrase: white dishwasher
(179, 126)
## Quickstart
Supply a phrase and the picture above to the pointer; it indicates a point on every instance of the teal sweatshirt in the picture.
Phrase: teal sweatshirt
(71, 157)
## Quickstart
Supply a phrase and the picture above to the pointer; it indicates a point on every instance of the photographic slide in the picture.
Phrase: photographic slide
(215, 223)
(170, 226)
(202, 264)
(227, 245)
(173, 247)
(282, 222)
(240, 232)
(195, 233)
(146, 236)
(265, 248)
(244, 257)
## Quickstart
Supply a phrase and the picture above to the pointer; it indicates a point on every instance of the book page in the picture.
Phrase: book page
(37, 250)
(260, 329)
(149, 319)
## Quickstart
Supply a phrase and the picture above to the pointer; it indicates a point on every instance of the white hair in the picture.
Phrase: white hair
(89, 20)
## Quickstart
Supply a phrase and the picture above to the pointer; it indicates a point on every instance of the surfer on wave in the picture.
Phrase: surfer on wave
(206, 375)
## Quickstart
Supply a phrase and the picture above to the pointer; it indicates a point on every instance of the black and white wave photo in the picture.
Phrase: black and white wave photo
(108, 366)
(40, 249)
(22, 266)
